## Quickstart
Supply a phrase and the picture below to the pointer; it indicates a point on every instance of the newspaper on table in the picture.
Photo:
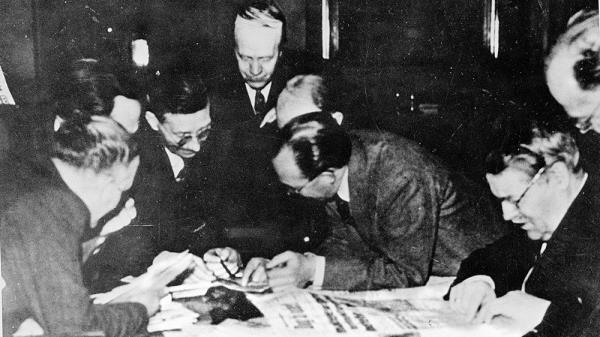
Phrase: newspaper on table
(406, 312)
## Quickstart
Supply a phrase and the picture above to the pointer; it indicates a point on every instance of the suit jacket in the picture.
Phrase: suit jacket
(257, 215)
(171, 215)
(412, 218)
(42, 232)
(566, 274)
(230, 105)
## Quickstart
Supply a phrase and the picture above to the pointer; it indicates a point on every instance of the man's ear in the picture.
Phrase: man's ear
(152, 120)
(559, 175)
(327, 177)
(338, 116)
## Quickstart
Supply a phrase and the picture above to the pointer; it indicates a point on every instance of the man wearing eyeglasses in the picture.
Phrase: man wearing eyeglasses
(169, 188)
(543, 280)
(397, 214)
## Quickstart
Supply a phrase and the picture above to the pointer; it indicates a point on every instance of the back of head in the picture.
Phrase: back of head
(173, 93)
(97, 143)
(302, 94)
(86, 90)
(540, 146)
(261, 13)
(318, 143)
(581, 42)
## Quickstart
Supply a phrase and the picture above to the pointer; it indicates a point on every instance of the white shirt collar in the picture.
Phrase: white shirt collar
(176, 162)
(252, 92)
(344, 190)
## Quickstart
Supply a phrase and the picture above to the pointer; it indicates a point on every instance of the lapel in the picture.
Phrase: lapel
(577, 233)
(362, 199)
(242, 99)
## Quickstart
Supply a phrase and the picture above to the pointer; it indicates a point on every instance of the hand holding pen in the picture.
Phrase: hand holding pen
(223, 262)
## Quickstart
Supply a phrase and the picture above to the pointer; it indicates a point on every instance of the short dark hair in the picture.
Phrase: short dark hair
(177, 94)
(96, 143)
(537, 146)
(257, 10)
(318, 143)
(86, 89)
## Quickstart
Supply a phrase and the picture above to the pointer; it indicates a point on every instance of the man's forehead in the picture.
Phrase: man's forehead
(188, 122)
(249, 32)
(508, 182)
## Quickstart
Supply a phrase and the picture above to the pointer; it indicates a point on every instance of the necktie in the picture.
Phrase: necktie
(183, 174)
(344, 210)
(260, 105)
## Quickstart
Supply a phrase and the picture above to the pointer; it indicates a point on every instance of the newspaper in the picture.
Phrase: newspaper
(305, 310)
(404, 312)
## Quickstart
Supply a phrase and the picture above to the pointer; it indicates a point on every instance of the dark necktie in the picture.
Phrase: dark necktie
(260, 105)
(183, 174)
(343, 209)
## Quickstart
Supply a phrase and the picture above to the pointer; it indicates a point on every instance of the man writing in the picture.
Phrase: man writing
(398, 214)
(545, 278)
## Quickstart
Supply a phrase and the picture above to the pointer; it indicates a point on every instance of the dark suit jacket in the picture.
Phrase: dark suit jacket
(230, 105)
(42, 232)
(566, 274)
(171, 215)
(412, 218)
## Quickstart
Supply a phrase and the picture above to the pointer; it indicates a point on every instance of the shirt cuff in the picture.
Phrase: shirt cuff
(319, 275)
(482, 278)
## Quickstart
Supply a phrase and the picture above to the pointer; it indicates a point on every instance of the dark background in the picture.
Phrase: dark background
(388, 51)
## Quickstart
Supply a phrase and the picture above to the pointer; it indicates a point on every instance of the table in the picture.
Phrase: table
(273, 324)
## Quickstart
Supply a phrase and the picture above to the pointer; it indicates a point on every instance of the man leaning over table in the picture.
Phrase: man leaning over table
(92, 162)
(544, 278)
(398, 215)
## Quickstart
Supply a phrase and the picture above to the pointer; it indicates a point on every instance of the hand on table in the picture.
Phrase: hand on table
(525, 310)
(469, 296)
(290, 269)
(217, 259)
(284, 271)
(255, 271)
(201, 273)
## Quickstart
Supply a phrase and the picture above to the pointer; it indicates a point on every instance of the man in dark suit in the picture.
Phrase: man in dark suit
(398, 215)
(245, 97)
(92, 163)
(545, 278)
(171, 188)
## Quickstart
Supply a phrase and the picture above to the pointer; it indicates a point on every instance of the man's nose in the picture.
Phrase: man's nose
(193, 144)
(509, 211)
(255, 68)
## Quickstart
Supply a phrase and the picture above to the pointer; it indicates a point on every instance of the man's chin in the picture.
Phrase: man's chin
(535, 235)
(186, 155)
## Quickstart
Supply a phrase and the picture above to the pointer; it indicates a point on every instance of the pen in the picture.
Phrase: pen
(231, 275)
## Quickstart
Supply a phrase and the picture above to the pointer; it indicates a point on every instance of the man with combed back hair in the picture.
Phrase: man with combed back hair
(92, 163)
(543, 279)
(398, 215)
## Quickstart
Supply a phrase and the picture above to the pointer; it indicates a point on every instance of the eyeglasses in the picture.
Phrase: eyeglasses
(532, 182)
(182, 138)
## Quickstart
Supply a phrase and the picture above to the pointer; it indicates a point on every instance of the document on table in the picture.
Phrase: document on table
(365, 313)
